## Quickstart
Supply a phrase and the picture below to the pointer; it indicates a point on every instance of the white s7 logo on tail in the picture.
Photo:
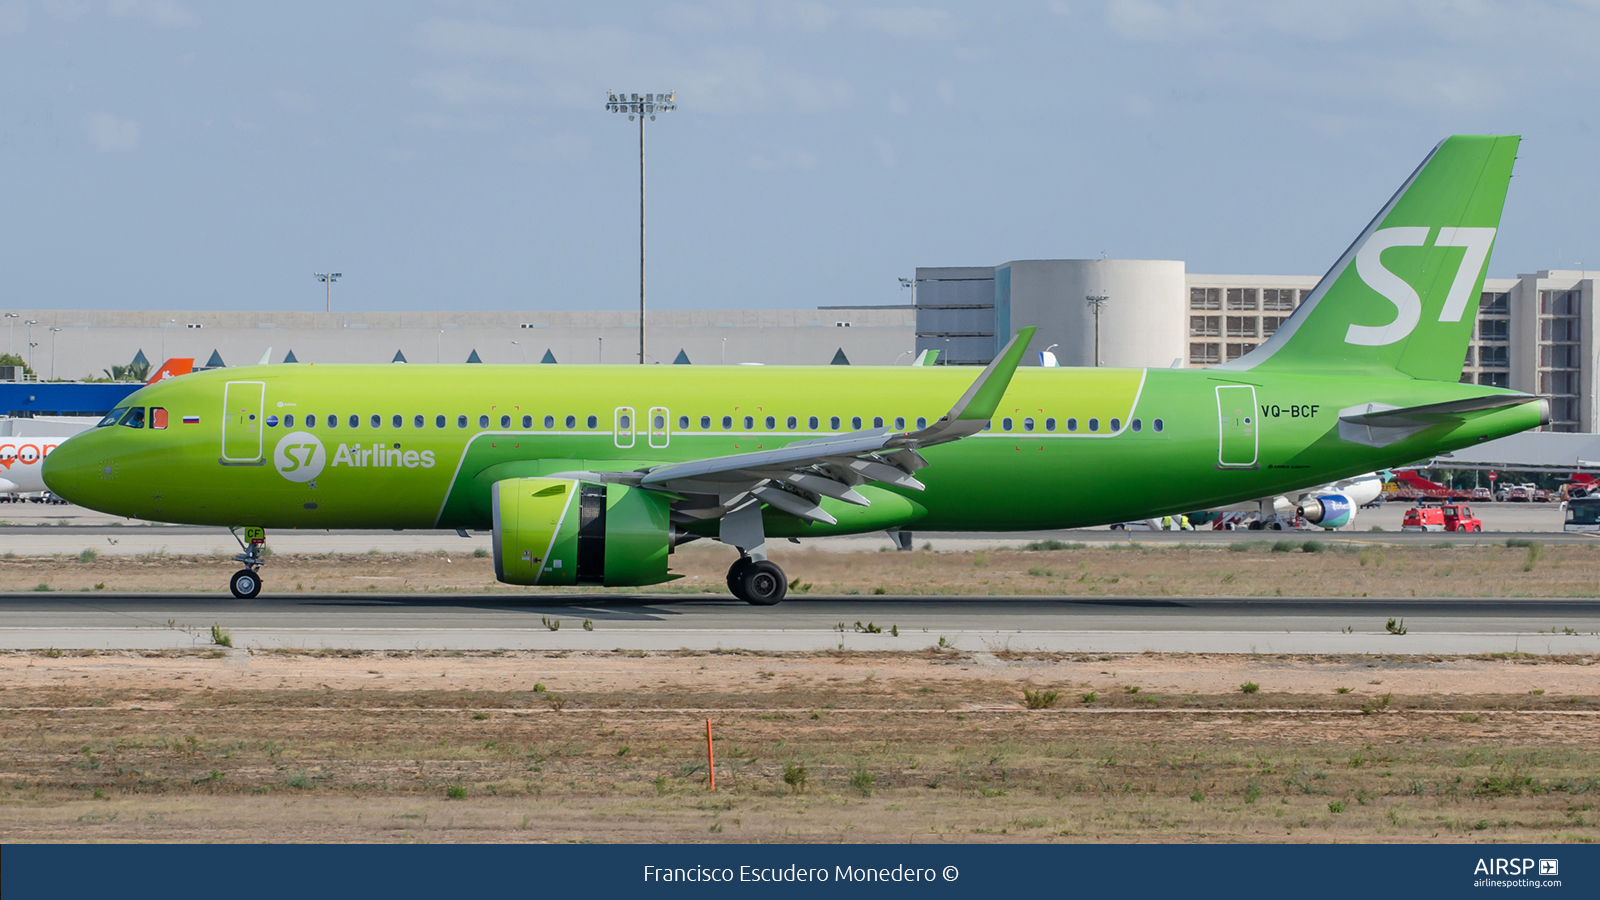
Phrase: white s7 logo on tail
(1408, 306)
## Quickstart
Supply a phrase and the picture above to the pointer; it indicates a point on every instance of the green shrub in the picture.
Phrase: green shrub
(1336, 806)
(221, 636)
(1052, 545)
(862, 780)
(87, 556)
(455, 792)
(1040, 699)
(1313, 547)
(1090, 697)
(1250, 687)
(1284, 546)
(1240, 546)
(794, 775)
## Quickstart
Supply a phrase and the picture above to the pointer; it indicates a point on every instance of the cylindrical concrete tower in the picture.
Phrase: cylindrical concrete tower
(1142, 321)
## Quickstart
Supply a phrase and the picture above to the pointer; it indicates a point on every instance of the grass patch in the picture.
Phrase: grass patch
(1040, 699)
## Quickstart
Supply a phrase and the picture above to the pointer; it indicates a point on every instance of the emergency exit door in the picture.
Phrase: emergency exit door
(1238, 430)
(242, 403)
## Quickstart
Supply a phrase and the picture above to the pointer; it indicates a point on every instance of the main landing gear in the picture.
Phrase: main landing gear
(757, 582)
(246, 583)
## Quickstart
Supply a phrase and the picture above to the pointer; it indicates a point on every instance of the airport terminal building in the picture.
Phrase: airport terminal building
(1535, 333)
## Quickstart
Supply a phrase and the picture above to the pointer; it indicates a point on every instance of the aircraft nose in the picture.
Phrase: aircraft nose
(71, 467)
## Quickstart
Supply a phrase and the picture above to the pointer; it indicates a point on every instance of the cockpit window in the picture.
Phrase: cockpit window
(113, 417)
(135, 418)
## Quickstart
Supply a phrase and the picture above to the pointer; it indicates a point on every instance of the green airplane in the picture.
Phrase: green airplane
(591, 475)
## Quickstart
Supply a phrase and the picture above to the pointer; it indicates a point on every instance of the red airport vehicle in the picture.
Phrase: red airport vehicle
(1423, 518)
(1460, 518)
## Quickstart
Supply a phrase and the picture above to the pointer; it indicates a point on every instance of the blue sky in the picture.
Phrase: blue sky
(177, 154)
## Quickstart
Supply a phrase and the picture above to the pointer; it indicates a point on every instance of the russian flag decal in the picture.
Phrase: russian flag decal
(191, 420)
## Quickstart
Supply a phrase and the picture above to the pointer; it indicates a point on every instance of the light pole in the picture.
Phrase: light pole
(30, 323)
(1096, 301)
(637, 106)
(170, 323)
(910, 283)
(518, 345)
(53, 332)
(600, 350)
(11, 340)
(724, 351)
(328, 278)
(437, 357)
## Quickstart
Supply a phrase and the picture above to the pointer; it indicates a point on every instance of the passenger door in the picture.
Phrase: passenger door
(242, 406)
(1238, 431)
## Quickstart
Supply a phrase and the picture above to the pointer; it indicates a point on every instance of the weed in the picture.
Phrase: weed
(1537, 692)
(1239, 547)
(1471, 718)
(868, 628)
(1052, 545)
(480, 716)
(1341, 690)
(1249, 687)
(1196, 797)
(1040, 573)
(1313, 547)
(1514, 543)
(552, 624)
(1535, 551)
(661, 785)
(1252, 793)
(1040, 699)
(221, 636)
(623, 750)
(1091, 697)
(557, 702)
(87, 556)
(480, 553)
(41, 586)
(980, 559)
(1336, 806)
(880, 590)
(1284, 546)
(794, 776)
(894, 630)
(100, 585)
(298, 781)
(588, 624)
(1377, 704)
(53, 653)
(455, 792)
(862, 780)
(538, 688)
(1395, 626)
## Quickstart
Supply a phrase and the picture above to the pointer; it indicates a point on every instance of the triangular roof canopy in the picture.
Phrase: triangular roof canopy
(139, 359)
(215, 362)
(839, 359)
(682, 360)
(548, 357)
(398, 357)
(474, 358)
(289, 357)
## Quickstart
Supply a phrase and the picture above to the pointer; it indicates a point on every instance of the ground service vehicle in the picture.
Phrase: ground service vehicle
(1583, 514)
(1423, 518)
(1458, 517)
(593, 474)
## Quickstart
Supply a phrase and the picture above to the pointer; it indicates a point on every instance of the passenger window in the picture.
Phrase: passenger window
(1157, 425)
(527, 421)
(113, 417)
(727, 422)
(417, 421)
(1049, 424)
(333, 421)
(288, 421)
(1137, 425)
(483, 421)
(1094, 424)
(593, 422)
(377, 421)
(1005, 424)
(158, 417)
(461, 421)
(771, 423)
(792, 423)
(623, 423)
(833, 423)
(855, 423)
(572, 422)
(1072, 424)
(549, 421)
(505, 421)
(921, 423)
(661, 422)
(397, 421)
(705, 423)
(1116, 424)
(877, 421)
(749, 423)
(899, 423)
(438, 421)
(683, 423)
(355, 421)
(811, 423)
(134, 418)
(1027, 424)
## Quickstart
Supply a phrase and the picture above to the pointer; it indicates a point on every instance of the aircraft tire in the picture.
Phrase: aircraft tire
(245, 584)
(763, 584)
(736, 576)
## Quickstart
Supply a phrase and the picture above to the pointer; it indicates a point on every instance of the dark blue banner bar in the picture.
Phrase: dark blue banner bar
(1143, 870)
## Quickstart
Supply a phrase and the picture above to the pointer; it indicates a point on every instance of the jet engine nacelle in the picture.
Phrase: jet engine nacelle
(1329, 510)
(555, 531)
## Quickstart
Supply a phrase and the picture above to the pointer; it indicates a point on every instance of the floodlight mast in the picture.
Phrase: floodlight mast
(1096, 301)
(328, 278)
(637, 105)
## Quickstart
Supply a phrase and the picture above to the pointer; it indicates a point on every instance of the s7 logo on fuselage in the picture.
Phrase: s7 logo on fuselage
(1408, 306)
(299, 456)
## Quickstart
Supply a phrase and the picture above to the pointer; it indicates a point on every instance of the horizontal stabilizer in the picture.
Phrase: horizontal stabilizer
(1381, 415)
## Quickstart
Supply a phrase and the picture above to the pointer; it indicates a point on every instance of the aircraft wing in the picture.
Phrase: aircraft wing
(794, 478)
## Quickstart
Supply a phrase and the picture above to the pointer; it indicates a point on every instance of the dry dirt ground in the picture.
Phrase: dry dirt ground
(1243, 569)
(940, 746)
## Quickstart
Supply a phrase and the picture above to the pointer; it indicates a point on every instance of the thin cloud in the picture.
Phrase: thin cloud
(908, 22)
(160, 13)
(111, 134)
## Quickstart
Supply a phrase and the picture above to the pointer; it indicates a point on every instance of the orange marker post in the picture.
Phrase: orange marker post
(711, 759)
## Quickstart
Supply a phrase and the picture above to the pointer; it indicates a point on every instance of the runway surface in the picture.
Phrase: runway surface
(803, 623)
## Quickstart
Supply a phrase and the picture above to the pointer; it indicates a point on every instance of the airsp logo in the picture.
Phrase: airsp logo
(1408, 306)
(299, 456)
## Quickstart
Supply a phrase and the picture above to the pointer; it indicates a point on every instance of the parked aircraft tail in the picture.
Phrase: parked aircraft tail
(172, 368)
(1404, 296)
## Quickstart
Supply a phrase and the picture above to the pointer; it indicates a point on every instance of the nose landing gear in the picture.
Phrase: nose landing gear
(757, 582)
(246, 583)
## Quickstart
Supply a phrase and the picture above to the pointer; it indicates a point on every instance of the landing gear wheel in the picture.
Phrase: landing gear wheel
(736, 576)
(762, 584)
(245, 584)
